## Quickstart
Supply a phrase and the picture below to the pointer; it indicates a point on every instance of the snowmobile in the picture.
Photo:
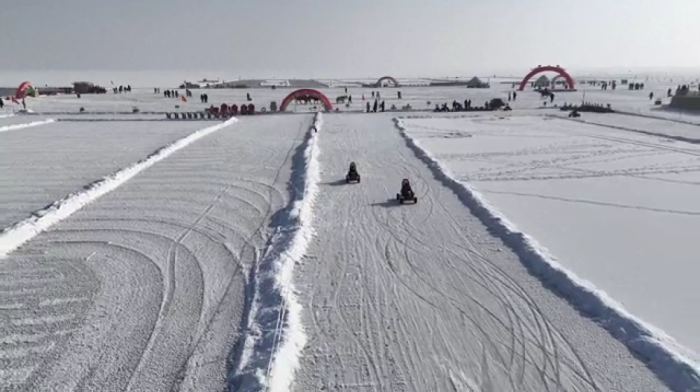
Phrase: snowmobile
(352, 175)
(406, 192)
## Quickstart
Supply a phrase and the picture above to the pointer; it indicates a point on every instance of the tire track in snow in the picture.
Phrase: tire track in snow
(349, 142)
(515, 322)
(166, 311)
(421, 294)
(544, 336)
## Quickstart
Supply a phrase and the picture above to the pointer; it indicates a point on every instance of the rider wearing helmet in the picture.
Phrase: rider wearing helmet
(405, 186)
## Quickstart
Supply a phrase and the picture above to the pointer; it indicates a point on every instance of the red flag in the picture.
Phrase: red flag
(182, 98)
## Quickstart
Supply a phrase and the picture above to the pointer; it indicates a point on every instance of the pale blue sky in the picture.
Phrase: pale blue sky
(351, 38)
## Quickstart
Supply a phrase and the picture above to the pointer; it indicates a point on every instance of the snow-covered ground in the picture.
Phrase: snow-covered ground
(203, 270)
(615, 206)
(420, 98)
(146, 288)
(42, 164)
(682, 130)
(423, 298)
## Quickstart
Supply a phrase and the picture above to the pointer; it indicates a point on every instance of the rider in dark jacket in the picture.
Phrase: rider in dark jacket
(405, 187)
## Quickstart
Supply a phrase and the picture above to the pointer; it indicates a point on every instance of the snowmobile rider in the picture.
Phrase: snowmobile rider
(405, 187)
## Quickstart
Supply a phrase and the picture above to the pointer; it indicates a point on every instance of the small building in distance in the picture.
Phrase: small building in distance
(475, 82)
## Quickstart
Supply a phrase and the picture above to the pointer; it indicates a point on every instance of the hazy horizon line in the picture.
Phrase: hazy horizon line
(174, 77)
(503, 71)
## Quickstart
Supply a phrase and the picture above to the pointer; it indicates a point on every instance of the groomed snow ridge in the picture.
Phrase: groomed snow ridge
(15, 127)
(649, 344)
(268, 355)
(14, 236)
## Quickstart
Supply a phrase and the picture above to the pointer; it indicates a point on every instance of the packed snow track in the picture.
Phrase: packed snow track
(423, 298)
(145, 288)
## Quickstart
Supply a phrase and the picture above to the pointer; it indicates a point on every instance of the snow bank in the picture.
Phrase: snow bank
(651, 345)
(14, 236)
(268, 356)
(15, 127)
(122, 120)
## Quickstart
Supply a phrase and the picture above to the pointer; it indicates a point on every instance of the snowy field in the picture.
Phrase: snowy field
(420, 98)
(617, 207)
(197, 255)
(422, 297)
(146, 288)
(63, 157)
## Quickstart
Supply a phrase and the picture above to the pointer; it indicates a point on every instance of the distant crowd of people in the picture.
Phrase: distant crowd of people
(203, 98)
(467, 106)
(122, 89)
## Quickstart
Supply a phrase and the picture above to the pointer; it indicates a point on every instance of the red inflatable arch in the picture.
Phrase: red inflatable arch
(389, 78)
(23, 89)
(547, 68)
(306, 92)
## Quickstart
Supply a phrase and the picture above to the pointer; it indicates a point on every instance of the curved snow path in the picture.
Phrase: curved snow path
(423, 298)
(144, 289)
